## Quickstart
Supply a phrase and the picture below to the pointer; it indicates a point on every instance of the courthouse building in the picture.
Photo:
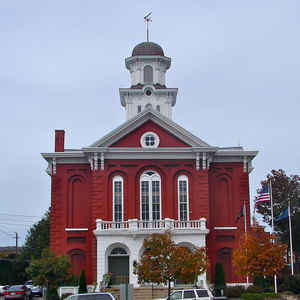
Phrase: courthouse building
(147, 175)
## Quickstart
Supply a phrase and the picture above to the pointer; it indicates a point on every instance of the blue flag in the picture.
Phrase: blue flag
(283, 215)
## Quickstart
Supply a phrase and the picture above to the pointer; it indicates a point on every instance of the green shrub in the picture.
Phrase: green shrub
(219, 282)
(291, 283)
(82, 283)
(252, 289)
(252, 296)
(52, 294)
(234, 291)
(271, 295)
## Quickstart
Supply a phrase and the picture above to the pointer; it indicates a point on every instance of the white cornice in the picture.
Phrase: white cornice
(138, 120)
(129, 91)
(133, 59)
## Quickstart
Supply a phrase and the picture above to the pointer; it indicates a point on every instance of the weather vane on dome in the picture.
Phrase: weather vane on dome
(148, 19)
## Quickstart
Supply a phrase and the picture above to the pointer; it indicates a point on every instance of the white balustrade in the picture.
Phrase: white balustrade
(143, 225)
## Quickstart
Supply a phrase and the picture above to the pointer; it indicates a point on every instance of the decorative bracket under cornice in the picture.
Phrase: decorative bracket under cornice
(245, 164)
(197, 161)
(102, 161)
(204, 160)
(93, 160)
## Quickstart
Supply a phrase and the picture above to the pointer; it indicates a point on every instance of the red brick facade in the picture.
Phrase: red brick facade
(80, 196)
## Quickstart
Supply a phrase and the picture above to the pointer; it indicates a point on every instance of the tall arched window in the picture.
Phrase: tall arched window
(150, 196)
(148, 74)
(183, 198)
(118, 199)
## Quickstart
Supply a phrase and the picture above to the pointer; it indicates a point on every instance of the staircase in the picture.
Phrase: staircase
(142, 293)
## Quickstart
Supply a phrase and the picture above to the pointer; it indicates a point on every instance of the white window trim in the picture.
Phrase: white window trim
(183, 178)
(156, 140)
(115, 179)
(145, 177)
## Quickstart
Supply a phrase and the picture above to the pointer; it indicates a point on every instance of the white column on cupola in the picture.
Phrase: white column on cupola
(148, 66)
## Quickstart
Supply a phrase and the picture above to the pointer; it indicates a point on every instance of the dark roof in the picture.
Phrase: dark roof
(147, 48)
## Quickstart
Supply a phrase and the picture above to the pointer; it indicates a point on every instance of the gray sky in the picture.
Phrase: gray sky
(236, 64)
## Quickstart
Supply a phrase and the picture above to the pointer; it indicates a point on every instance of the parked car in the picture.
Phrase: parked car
(29, 284)
(92, 296)
(36, 290)
(17, 292)
(191, 294)
(3, 288)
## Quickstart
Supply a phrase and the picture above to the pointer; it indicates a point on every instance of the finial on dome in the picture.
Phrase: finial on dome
(148, 19)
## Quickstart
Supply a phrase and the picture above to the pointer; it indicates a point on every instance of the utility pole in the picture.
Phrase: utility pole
(17, 237)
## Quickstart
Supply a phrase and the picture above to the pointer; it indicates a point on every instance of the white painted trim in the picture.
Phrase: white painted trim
(118, 178)
(225, 228)
(186, 179)
(76, 229)
(156, 140)
(144, 116)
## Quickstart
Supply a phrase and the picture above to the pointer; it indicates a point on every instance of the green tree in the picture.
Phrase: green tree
(37, 238)
(82, 283)
(219, 281)
(285, 189)
(163, 261)
(50, 271)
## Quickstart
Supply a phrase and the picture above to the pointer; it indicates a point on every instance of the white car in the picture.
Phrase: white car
(191, 294)
(92, 296)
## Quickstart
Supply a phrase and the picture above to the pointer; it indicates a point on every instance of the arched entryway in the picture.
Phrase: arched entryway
(118, 265)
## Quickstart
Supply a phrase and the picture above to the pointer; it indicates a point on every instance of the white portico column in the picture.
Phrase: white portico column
(100, 255)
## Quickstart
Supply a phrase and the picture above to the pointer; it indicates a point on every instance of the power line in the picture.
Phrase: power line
(12, 215)
(20, 220)
(9, 234)
(17, 224)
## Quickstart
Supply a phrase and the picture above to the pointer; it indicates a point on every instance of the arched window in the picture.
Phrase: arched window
(183, 198)
(118, 199)
(150, 196)
(118, 251)
(148, 74)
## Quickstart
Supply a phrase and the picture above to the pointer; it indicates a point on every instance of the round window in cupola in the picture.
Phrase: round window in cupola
(149, 140)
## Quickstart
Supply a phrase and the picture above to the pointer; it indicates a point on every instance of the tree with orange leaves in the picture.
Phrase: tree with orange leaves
(259, 254)
(163, 261)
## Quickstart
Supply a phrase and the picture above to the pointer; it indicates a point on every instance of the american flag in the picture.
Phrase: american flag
(263, 195)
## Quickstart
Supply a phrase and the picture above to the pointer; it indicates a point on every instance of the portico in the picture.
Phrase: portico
(125, 241)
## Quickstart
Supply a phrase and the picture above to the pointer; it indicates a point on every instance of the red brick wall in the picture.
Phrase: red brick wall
(205, 201)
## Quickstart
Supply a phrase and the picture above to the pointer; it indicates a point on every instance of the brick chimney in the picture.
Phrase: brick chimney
(59, 140)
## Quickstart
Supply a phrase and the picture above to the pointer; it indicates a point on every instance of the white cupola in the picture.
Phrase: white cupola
(147, 67)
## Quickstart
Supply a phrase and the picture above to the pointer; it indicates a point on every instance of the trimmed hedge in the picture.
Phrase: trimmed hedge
(234, 291)
(252, 289)
(252, 296)
(271, 295)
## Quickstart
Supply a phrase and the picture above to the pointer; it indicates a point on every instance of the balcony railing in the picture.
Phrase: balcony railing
(141, 225)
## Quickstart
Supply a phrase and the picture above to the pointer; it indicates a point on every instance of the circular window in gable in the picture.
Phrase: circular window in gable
(149, 140)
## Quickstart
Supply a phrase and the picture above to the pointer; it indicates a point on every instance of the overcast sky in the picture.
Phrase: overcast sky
(236, 65)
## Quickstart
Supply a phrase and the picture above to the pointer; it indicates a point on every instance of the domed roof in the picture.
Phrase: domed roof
(147, 48)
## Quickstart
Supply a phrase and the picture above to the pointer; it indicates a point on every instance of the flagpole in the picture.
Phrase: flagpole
(245, 228)
(291, 239)
(272, 215)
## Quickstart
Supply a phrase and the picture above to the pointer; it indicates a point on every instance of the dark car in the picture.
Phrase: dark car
(36, 290)
(92, 296)
(17, 292)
